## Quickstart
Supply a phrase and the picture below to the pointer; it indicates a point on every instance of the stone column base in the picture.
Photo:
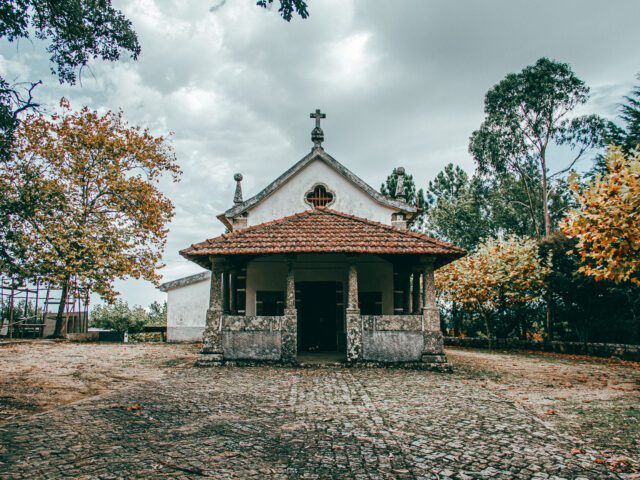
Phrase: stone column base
(432, 358)
(354, 335)
(433, 343)
(289, 349)
(209, 360)
(433, 351)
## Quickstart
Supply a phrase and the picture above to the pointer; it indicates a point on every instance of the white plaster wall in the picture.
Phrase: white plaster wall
(289, 198)
(187, 305)
(186, 311)
(374, 274)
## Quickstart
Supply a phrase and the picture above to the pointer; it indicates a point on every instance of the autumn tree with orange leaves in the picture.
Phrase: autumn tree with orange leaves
(81, 202)
(500, 275)
(606, 223)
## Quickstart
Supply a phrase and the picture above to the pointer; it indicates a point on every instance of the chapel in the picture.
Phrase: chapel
(317, 263)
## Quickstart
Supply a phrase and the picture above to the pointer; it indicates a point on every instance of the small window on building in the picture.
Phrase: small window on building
(370, 303)
(269, 303)
(319, 196)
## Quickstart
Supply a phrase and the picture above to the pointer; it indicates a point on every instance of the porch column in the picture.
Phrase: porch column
(433, 350)
(417, 293)
(226, 308)
(354, 324)
(289, 348)
(212, 337)
(406, 291)
(233, 292)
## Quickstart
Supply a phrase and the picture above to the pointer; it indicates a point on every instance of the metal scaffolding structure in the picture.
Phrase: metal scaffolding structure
(29, 310)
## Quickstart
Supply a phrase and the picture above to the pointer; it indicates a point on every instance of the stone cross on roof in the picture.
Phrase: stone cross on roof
(317, 135)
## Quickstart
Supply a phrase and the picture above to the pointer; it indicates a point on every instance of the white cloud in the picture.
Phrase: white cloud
(400, 83)
(350, 62)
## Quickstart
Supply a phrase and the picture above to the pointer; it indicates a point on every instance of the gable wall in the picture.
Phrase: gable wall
(186, 311)
(289, 198)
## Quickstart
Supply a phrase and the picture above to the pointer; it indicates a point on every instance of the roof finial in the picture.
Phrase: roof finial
(317, 135)
(237, 197)
(400, 193)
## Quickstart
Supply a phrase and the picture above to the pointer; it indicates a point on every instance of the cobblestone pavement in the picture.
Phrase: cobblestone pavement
(282, 423)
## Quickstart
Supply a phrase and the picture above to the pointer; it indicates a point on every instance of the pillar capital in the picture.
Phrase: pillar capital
(218, 264)
(426, 262)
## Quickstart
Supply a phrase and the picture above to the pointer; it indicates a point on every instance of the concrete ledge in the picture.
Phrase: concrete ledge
(246, 345)
(392, 346)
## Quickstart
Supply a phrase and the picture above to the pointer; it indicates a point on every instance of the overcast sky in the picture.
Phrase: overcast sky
(402, 83)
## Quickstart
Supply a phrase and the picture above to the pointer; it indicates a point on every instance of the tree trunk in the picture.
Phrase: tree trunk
(549, 318)
(455, 315)
(633, 315)
(545, 196)
(57, 333)
(547, 233)
(488, 327)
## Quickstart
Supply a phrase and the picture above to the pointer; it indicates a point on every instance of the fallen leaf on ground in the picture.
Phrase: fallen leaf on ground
(289, 427)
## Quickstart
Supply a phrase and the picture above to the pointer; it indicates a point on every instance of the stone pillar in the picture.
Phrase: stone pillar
(417, 294)
(211, 352)
(289, 332)
(353, 321)
(226, 306)
(233, 292)
(406, 291)
(433, 350)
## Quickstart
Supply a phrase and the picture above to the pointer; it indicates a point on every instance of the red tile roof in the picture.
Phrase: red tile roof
(322, 231)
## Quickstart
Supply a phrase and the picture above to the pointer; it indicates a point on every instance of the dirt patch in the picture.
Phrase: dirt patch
(40, 375)
(595, 401)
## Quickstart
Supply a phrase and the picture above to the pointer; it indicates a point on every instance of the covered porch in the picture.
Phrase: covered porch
(280, 298)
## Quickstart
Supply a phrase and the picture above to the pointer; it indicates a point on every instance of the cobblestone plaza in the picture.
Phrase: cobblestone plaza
(283, 423)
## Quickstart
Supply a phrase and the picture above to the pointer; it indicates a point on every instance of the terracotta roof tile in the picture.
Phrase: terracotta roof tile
(322, 231)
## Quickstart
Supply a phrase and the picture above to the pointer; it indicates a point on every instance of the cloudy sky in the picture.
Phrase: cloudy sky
(402, 83)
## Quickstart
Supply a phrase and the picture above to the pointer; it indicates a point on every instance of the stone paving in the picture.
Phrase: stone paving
(286, 423)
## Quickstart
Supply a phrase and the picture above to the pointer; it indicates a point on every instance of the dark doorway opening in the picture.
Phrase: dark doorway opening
(320, 318)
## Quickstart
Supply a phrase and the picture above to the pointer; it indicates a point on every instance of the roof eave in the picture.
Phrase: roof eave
(225, 220)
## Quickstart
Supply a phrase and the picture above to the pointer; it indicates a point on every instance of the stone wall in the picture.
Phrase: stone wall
(392, 338)
(623, 351)
(251, 337)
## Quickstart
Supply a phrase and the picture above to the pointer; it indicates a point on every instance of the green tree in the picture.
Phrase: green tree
(464, 210)
(626, 136)
(288, 8)
(75, 31)
(411, 196)
(630, 115)
(157, 314)
(525, 114)
(457, 208)
(119, 317)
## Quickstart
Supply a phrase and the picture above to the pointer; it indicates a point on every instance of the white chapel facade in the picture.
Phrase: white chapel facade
(318, 261)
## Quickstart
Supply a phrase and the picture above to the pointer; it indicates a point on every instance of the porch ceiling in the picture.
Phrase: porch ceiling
(322, 231)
